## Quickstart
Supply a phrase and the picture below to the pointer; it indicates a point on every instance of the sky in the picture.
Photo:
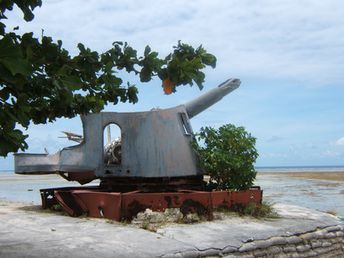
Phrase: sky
(289, 56)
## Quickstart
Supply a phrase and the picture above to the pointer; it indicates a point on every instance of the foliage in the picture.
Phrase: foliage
(40, 81)
(228, 156)
(264, 210)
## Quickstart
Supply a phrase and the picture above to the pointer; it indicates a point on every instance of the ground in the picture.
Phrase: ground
(27, 231)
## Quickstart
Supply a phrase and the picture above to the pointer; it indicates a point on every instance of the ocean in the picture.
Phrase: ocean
(315, 191)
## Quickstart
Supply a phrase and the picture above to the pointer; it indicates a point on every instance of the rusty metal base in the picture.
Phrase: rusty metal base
(95, 202)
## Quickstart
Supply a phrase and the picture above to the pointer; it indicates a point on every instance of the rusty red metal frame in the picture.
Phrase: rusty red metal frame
(94, 202)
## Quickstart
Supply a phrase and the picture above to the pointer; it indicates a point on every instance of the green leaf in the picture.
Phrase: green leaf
(81, 47)
(145, 74)
(147, 51)
(2, 28)
(27, 7)
(132, 94)
(19, 66)
(72, 82)
(11, 57)
(209, 59)
(59, 43)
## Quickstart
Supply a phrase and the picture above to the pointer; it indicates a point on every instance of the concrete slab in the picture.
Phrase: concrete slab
(26, 233)
(234, 231)
(32, 233)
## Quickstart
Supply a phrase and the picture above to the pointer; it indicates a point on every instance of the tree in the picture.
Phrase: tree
(40, 81)
(228, 156)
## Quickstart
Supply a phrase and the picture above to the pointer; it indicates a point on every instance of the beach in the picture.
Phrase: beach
(323, 191)
(29, 231)
(327, 175)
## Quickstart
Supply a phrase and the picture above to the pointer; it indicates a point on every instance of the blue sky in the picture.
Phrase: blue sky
(289, 56)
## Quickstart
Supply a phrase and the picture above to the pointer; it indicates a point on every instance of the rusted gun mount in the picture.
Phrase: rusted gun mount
(153, 154)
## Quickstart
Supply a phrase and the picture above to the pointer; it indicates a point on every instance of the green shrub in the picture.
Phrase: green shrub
(263, 210)
(227, 155)
(266, 210)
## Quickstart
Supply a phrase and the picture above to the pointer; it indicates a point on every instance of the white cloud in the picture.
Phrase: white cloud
(296, 40)
(275, 138)
(340, 141)
(331, 154)
(274, 155)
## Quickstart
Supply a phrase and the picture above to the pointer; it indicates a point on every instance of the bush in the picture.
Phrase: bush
(227, 155)
(263, 210)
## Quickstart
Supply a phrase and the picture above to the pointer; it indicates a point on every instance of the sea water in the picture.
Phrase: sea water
(25, 188)
(323, 195)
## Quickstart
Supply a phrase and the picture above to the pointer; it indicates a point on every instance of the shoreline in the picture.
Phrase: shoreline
(323, 175)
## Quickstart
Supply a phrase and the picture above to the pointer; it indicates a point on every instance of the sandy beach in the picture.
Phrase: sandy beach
(327, 175)
(323, 191)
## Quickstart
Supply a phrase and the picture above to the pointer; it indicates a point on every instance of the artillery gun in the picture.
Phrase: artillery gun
(153, 165)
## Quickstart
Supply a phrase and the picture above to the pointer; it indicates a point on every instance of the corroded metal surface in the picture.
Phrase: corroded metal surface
(125, 205)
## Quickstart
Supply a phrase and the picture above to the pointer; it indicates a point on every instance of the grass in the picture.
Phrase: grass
(265, 210)
(262, 211)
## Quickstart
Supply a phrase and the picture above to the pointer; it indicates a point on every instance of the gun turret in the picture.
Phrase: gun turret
(196, 106)
(154, 144)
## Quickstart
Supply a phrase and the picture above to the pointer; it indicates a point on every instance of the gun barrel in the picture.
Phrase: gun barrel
(196, 106)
